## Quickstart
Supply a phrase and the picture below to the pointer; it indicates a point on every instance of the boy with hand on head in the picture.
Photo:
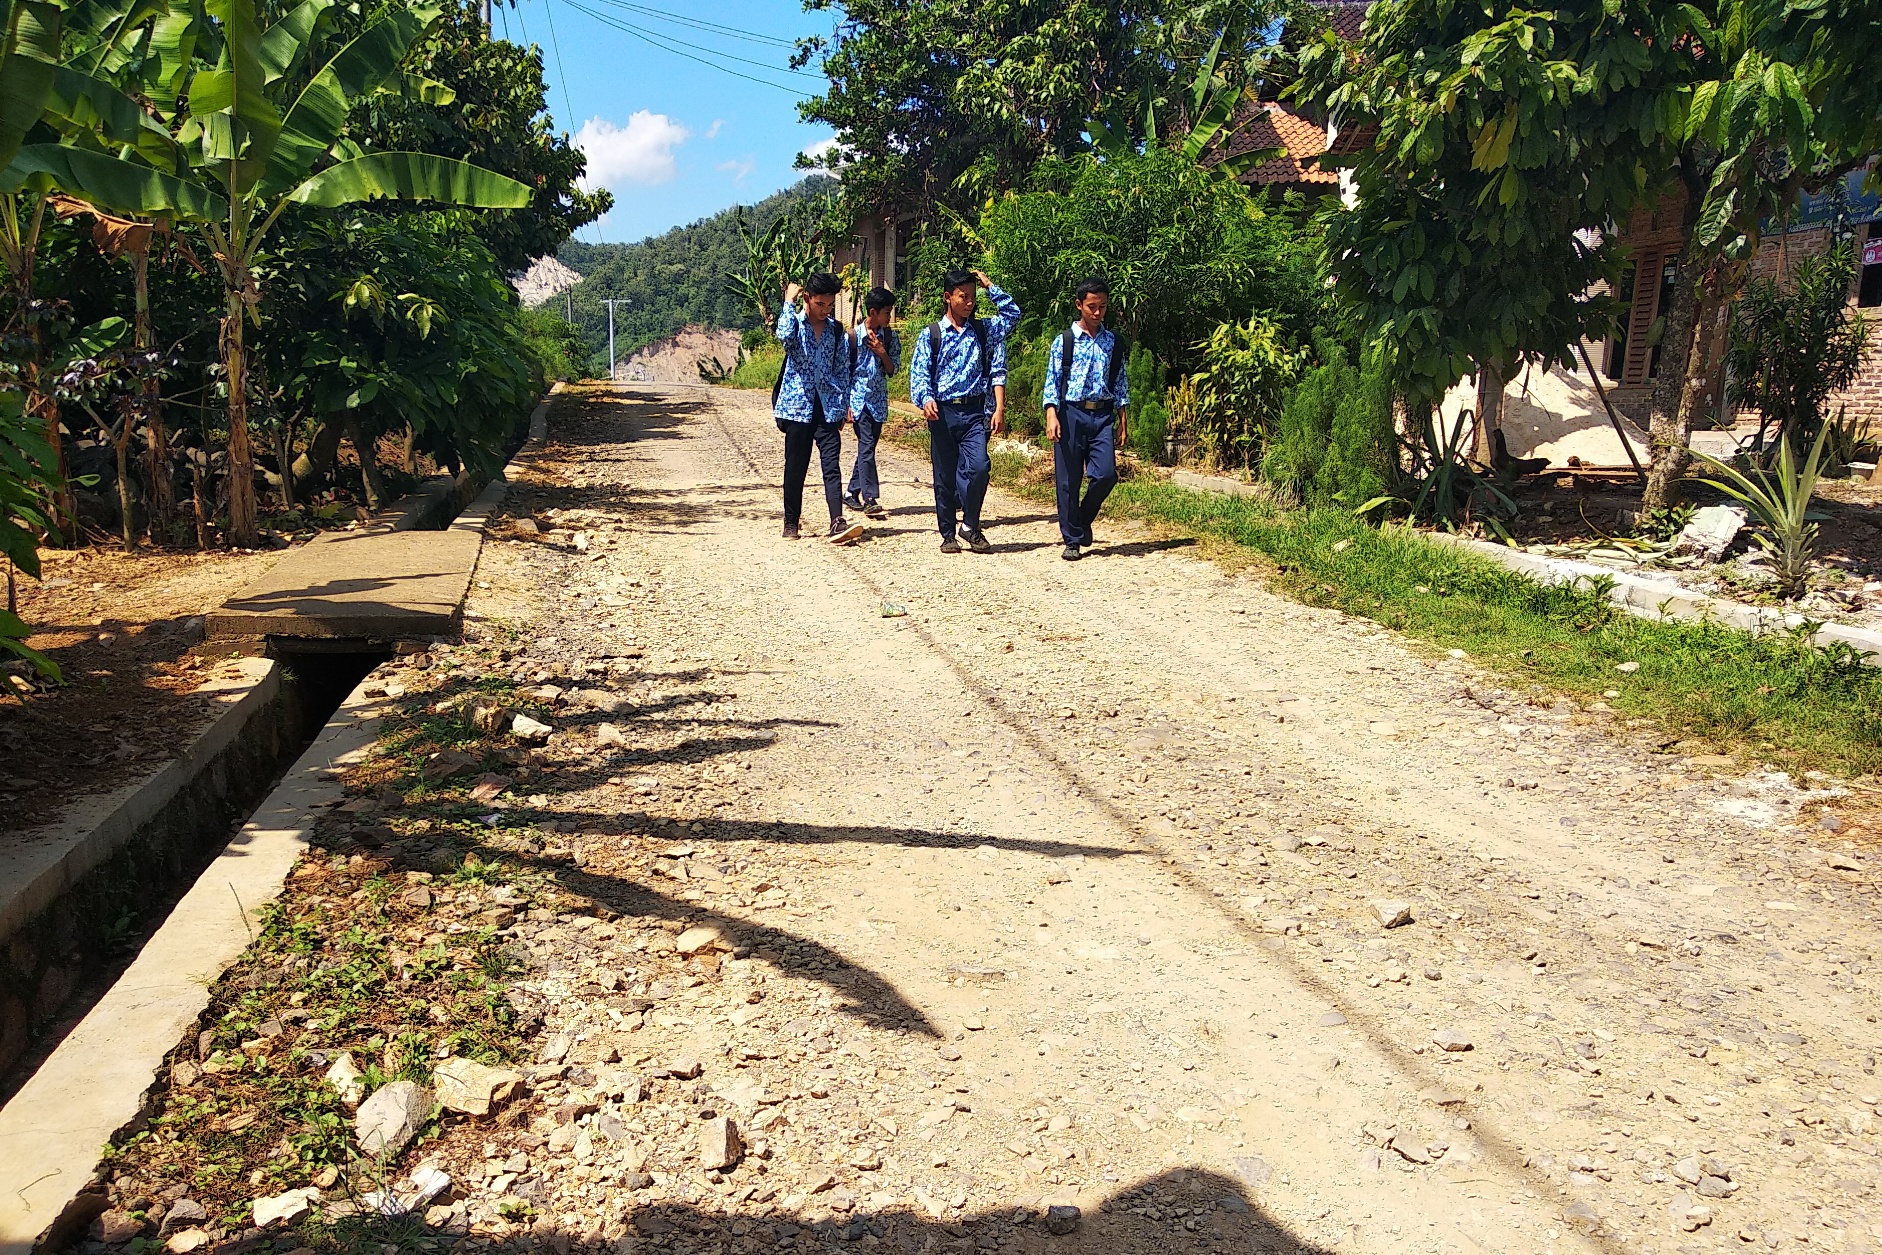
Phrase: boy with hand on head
(1086, 395)
(958, 378)
(811, 400)
(875, 353)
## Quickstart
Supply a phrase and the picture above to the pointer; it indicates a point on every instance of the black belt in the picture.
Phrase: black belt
(979, 398)
(1094, 407)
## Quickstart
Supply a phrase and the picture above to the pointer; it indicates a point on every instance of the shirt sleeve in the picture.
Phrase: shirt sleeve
(996, 353)
(840, 373)
(1006, 311)
(788, 319)
(892, 341)
(1052, 399)
(1123, 398)
(918, 372)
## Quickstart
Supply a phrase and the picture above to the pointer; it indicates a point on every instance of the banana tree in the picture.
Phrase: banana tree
(255, 134)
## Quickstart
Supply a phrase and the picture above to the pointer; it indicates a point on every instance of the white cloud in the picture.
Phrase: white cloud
(822, 149)
(640, 152)
(737, 169)
(712, 132)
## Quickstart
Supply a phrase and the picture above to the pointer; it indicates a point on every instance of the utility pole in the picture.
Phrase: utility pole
(610, 303)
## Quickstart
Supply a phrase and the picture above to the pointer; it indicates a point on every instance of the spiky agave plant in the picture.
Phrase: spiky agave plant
(1779, 498)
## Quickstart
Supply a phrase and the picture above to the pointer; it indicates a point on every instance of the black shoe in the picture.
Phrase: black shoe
(977, 541)
(950, 545)
(1070, 553)
(874, 510)
(854, 502)
(790, 531)
(844, 533)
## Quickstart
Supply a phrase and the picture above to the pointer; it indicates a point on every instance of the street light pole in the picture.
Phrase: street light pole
(610, 303)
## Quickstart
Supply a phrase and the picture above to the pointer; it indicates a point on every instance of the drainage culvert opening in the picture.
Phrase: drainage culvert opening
(323, 672)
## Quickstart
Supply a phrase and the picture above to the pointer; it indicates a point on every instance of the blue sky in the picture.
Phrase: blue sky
(674, 140)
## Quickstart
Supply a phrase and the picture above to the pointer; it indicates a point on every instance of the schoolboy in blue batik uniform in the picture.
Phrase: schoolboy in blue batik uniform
(812, 400)
(958, 378)
(1086, 395)
(875, 353)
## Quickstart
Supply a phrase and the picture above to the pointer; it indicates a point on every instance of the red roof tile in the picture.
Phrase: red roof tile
(1264, 124)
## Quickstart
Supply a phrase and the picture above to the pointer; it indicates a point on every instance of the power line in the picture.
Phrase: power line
(548, 10)
(660, 43)
(697, 24)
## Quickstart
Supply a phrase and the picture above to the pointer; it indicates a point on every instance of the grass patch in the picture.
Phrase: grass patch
(1774, 695)
(759, 369)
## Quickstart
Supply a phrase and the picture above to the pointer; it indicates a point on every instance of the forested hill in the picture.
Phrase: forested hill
(673, 279)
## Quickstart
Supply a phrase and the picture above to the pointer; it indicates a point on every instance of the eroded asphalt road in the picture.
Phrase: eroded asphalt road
(1059, 890)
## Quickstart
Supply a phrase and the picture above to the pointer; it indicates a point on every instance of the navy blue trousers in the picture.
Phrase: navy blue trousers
(958, 451)
(1085, 456)
(864, 481)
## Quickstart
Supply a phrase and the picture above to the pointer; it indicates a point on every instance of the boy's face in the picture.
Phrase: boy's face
(1093, 306)
(879, 318)
(819, 307)
(961, 301)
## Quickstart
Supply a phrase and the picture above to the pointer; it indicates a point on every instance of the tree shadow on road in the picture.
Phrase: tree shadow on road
(1181, 1211)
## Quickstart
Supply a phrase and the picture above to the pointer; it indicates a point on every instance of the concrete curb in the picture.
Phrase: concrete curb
(86, 836)
(53, 1131)
(1657, 598)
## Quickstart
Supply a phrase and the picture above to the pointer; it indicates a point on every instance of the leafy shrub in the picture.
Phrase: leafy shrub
(1795, 344)
(1025, 384)
(1335, 443)
(1149, 408)
(555, 343)
(759, 369)
(1183, 251)
(1247, 370)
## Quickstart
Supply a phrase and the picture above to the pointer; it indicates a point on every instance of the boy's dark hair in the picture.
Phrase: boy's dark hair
(954, 279)
(878, 298)
(824, 284)
(1090, 287)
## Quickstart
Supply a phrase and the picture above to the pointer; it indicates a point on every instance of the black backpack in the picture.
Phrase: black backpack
(979, 329)
(1113, 362)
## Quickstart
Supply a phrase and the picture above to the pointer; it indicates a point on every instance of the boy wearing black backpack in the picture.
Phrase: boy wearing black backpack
(811, 400)
(1086, 394)
(875, 353)
(958, 378)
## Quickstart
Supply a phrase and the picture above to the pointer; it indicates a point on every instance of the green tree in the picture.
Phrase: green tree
(923, 90)
(1183, 251)
(495, 115)
(258, 127)
(388, 325)
(1795, 343)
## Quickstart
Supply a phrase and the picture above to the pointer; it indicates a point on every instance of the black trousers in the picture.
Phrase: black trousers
(799, 438)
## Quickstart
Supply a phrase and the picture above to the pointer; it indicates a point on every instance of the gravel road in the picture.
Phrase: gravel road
(1065, 887)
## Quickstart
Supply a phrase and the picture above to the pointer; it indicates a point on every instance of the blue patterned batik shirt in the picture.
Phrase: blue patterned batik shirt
(869, 389)
(814, 366)
(959, 368)
(1091, 361)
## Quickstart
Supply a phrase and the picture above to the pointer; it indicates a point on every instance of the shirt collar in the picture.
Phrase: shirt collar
(1078, 329)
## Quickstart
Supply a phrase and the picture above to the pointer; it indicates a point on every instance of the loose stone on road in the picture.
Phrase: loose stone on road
(1209, 964)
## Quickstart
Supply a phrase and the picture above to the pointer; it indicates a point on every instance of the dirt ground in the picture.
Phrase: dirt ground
(1063, 887)
(119, 627)
(1027, 885)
